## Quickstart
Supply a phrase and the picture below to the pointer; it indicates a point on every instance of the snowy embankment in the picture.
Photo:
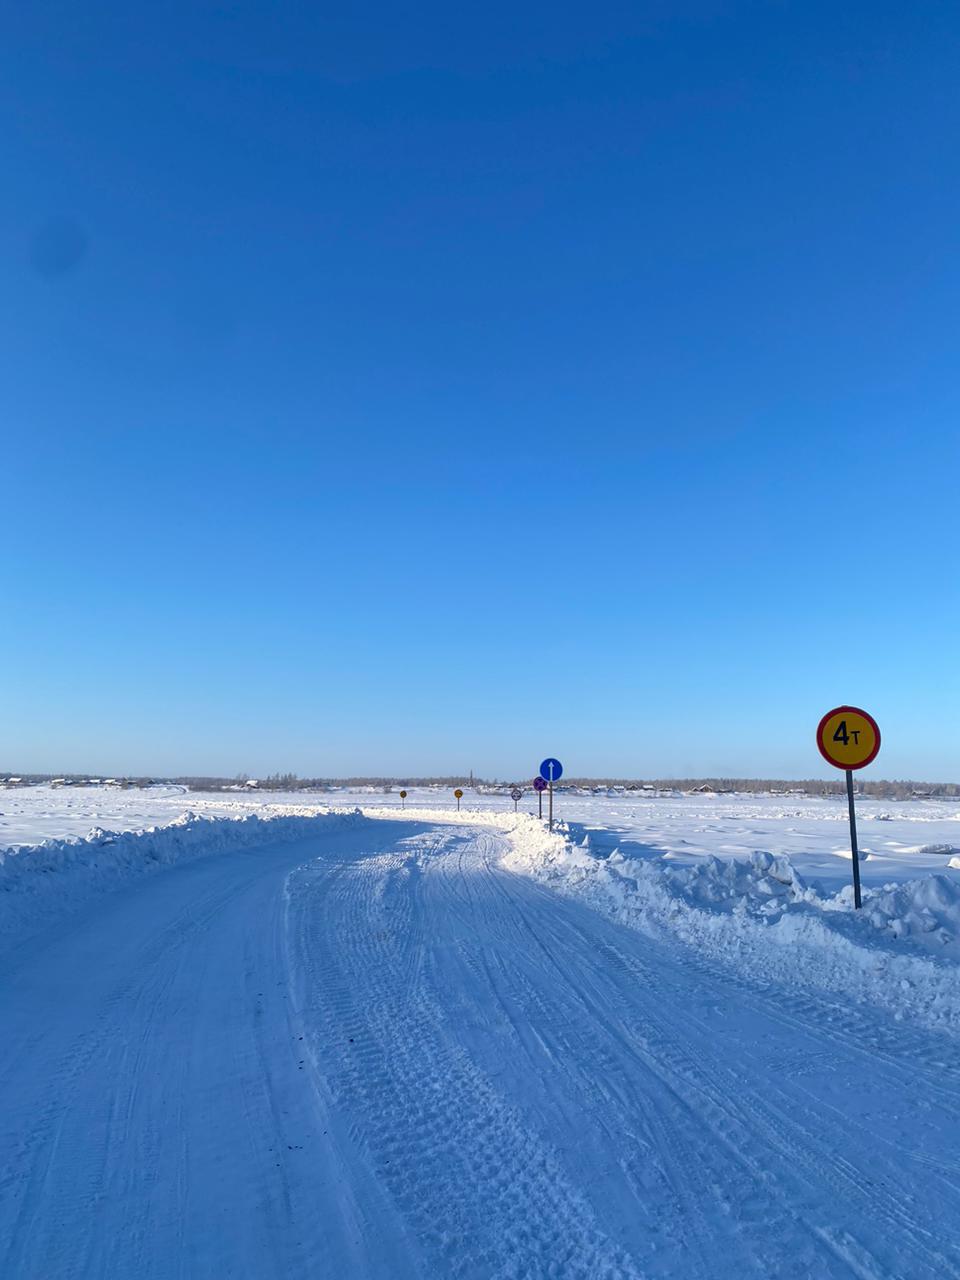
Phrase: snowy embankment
(900, 952)
(756, 914)
(46, 882)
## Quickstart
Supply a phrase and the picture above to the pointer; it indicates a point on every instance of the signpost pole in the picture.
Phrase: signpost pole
(551, 801)
(540, 802)
(853, 840)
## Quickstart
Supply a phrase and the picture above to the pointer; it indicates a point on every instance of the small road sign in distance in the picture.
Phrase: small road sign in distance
(516, 794)
(551, 770)
(848, 738)
(539, 784)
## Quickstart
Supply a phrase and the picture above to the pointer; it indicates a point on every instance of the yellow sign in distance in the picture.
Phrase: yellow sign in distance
(458, 793)
(848, 738)
(403, 795)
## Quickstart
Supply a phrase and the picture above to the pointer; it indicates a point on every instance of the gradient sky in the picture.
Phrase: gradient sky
(420, 389)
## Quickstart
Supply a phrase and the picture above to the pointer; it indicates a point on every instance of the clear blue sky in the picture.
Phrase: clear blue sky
(425, 388)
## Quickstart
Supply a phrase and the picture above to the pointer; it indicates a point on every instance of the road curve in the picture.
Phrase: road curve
(377, 1054)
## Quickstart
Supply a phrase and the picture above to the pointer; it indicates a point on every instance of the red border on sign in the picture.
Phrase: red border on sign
(860, 712)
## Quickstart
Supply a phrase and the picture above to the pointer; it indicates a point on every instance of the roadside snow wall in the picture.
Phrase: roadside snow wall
(900, 952)
(43, 883)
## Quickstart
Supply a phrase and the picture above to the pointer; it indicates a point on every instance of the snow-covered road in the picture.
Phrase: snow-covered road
(376, 1053)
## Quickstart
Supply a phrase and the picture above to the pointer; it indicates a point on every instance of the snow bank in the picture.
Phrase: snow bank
(901, 952)
(47, 881)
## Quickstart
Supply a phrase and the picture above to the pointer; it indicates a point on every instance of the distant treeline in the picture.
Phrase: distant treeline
(891, 790)
(275, 782)
(882, 789)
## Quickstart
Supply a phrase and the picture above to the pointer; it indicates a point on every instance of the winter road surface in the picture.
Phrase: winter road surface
(376, 1053)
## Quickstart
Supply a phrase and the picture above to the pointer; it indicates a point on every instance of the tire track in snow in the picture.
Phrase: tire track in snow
(159, 1127)
(768, 1123)
(798, 1127)
(756, 1147)
(100, 1051)
(485, 1196)
(686, 1164)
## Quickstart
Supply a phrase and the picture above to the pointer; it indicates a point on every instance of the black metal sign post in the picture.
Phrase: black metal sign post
(853, 840)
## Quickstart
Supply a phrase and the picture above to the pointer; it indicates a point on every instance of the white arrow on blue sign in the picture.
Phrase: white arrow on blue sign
(551, 770)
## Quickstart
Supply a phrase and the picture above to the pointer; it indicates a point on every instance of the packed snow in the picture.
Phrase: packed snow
(288, 1035)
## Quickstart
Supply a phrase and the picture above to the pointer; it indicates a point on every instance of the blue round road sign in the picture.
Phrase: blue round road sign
(551, 769)
(539, 784)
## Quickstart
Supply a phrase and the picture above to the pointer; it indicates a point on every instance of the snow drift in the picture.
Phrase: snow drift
(45, 882)
(901, 951)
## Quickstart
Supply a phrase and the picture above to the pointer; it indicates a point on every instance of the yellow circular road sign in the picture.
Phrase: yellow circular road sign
(458, 793)
(848, 738)
(403, 795)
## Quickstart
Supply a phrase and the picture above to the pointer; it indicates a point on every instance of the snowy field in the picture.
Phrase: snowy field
(288, 1036)
(901, 840)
